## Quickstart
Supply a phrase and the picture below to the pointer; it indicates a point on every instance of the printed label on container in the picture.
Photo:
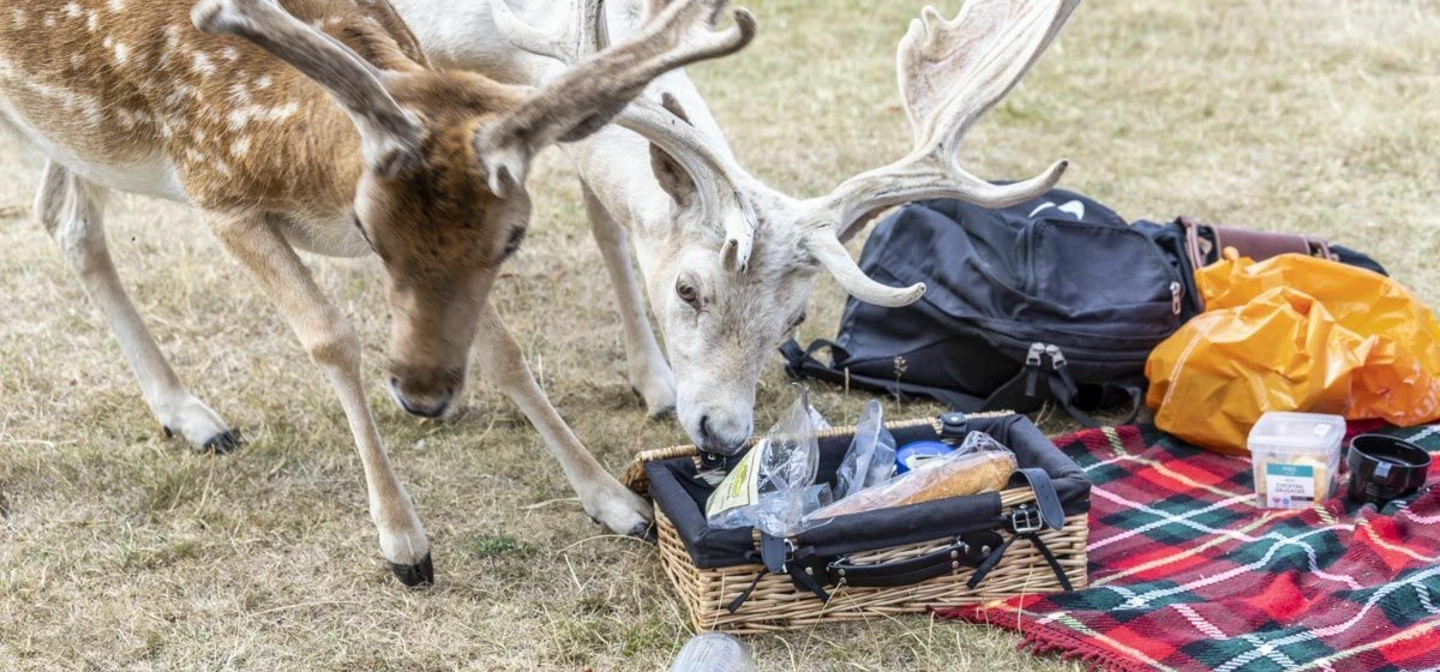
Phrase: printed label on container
(741, 486)
(1290, 485)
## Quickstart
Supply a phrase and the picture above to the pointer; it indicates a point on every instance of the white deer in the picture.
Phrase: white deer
(320, 125)
(728, 261)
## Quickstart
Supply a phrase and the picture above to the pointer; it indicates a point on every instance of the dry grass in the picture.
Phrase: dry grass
(121, 549)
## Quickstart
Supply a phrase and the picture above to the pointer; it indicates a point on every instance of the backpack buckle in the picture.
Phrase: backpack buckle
(1026, 519)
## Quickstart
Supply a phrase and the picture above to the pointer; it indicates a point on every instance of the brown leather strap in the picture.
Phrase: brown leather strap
(1260, 245)
(1204, 243)
(1199, 256)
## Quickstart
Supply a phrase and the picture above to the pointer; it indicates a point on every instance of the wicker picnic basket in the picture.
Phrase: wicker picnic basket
(742, 597)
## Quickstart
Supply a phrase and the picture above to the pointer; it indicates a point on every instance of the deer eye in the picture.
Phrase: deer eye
(799, 320)
(512, 243)
(687, 292)
(355, 219)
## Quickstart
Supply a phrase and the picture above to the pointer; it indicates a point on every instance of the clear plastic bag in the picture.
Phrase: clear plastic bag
(976, 442)
(714, 652)
(986, 468)
(771, 487)
(871, 457)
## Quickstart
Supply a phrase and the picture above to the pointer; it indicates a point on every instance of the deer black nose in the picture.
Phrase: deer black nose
(421, 403)
(720, 436)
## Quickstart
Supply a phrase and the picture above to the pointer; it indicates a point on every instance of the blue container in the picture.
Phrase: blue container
(912, 454)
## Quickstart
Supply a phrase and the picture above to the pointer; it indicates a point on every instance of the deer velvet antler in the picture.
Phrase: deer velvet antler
(690, 23)
(603, 79)
(951, 73)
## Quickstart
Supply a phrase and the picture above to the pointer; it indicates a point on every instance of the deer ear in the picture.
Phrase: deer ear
(672, 105)
(672, 177)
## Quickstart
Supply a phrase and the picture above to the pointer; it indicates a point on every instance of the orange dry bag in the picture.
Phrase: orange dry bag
(1294, 333)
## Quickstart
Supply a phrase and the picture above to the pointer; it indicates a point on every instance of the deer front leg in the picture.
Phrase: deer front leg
(650, 375)
(72, 211)
(609, 503)
(328, 337)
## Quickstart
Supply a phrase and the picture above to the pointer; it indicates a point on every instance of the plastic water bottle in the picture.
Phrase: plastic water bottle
(714, 652)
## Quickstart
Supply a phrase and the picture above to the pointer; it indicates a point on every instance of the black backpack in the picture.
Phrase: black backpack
(1053, 300)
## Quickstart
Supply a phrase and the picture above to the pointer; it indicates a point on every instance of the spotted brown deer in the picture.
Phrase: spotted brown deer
(320, 125)
(728, 262)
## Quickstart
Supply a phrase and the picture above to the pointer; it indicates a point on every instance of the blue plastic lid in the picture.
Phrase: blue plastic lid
(912, 454)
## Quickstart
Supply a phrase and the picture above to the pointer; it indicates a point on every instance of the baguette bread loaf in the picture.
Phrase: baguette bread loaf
(985, 471)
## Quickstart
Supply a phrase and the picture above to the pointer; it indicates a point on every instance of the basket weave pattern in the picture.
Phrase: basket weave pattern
(776, 604)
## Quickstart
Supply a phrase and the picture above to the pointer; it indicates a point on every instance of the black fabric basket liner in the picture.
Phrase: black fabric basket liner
(682, 496)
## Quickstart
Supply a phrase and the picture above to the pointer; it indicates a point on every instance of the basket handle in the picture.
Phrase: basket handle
(969, 550)
(981, 550)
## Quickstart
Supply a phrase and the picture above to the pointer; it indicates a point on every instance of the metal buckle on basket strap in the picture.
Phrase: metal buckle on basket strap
(1026, 519)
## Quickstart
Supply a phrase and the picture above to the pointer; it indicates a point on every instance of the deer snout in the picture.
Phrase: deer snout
(426, 393)
(720, 430)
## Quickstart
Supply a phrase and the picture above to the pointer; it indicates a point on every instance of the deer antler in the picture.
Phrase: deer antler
(568, 42)
(690, 23)
(593, 91)
(951, 72)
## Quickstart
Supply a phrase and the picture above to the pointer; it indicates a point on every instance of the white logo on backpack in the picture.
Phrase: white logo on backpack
(1076, 209)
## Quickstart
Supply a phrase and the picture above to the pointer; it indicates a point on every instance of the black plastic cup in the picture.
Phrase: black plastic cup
(1383, 468)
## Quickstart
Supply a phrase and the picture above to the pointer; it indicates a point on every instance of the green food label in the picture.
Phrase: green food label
(1290, 485)
(741, 486)
(1296, 470)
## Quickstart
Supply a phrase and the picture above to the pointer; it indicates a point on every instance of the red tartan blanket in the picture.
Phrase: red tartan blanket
(1187, 574)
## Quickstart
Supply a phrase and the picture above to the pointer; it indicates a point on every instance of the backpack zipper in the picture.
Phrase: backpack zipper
(1175, 294)
(1014, 344)
(1032, 368)
(1057, 357)
(1032, 358)
(1034, 365)
(1027, 263)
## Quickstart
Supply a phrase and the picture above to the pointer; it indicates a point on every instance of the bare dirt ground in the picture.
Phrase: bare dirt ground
(120, 549)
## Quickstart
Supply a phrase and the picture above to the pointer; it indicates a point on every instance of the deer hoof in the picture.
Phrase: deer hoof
(221, 443)
(415, 576)
(642, 531)
(622, 511)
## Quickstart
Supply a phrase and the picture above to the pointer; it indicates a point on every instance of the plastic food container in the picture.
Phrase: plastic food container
(1296, 457)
